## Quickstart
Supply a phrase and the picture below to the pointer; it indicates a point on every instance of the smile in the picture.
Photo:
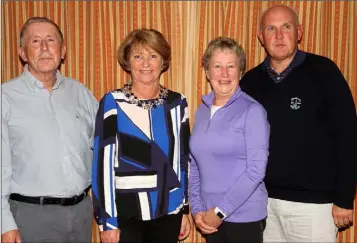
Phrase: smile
(225, 81)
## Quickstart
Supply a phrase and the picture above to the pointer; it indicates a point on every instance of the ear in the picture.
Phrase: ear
(207, 74)
(300, 31)
(63, 51)
(22, 54)
(260, 37)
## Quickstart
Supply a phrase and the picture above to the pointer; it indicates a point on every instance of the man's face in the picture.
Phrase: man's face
(280, 33)
(42, 49)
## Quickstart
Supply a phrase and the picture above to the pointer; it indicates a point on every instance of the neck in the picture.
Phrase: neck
(220, 101)
(280, 65)
(47, 79)
(146, 91)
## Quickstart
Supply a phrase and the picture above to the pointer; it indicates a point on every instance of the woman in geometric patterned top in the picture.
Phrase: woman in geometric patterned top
(140, 164)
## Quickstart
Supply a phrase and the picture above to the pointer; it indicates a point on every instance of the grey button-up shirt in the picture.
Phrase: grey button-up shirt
(46, 139)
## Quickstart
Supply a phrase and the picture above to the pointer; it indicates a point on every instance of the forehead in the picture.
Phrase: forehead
(279, 14)
(40, 29)
(220, 54)
(140, 48)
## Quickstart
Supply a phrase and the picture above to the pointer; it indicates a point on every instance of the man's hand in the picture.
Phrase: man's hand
(110, 236)
(342, 217)
(212, 219)
(12, 236)
(185, 227)
(206, 229)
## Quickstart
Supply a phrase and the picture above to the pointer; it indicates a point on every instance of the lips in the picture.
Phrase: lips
(224, 81)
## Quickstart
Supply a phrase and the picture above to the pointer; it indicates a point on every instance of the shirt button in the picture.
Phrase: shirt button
(278, 78)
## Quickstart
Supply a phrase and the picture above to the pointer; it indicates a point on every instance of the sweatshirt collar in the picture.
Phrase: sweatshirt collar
(209, 98)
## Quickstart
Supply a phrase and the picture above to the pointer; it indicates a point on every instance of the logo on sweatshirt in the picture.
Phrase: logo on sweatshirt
(295, 103)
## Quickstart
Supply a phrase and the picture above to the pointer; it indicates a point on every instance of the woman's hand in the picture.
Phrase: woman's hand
(212, 219)
(110, 236)
(185, 227)
(206, 229)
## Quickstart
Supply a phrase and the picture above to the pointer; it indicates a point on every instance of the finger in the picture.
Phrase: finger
(18, 239)
(350, 218)
(346, 222)
(207, 232)
(207, 227)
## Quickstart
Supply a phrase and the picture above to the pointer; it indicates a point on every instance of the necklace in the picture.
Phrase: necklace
(146, 104)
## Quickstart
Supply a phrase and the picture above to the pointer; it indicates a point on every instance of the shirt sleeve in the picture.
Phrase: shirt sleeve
(104, 158)
(257, 143)
(195, 188)
(184, 150)
(92, 104)
(8, 222)
(341, 111)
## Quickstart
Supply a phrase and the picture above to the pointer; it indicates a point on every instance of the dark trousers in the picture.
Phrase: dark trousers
(238, 232)
(164, 229)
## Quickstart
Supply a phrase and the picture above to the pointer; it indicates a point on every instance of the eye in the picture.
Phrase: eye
(217, 65)
(51, 39)
(270, 28)
(137, 57)
(154, 56)
(287, 26)
(231, 66)
(35, 40)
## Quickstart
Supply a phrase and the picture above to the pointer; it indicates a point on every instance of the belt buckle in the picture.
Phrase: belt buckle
(64, 202)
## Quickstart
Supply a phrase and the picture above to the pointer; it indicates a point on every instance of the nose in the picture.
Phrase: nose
(279, 34)
(224, 71)
(145, 61)
(44, 45)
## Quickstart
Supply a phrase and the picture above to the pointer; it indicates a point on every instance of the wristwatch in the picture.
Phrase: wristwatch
(219, 213)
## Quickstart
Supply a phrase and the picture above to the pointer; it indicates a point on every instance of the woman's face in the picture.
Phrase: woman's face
(145, 65)
(223, 73)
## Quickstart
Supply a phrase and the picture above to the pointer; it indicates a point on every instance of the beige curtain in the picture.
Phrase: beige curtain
(94, 29)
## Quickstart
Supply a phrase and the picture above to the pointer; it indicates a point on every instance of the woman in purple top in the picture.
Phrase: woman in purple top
(229, 152)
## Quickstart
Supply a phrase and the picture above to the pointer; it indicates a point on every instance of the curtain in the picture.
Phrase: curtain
(93, 31)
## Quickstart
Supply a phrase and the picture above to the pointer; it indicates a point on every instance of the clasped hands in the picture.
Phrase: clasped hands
(208, 222)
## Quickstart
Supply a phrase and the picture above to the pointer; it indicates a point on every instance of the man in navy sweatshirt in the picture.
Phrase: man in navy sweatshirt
(311, 171)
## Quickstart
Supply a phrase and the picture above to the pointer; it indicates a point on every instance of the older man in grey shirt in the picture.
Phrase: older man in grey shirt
(47, 133)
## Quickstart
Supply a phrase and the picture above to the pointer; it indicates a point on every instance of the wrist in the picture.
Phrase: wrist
(221, 215)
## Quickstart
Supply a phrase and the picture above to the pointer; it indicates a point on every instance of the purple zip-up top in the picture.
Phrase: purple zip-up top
(229, 154)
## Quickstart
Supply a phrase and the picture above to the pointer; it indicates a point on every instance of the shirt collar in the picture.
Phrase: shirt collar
(299, 58)
(34, 84)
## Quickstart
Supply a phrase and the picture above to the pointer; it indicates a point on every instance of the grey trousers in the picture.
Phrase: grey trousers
(53, 223)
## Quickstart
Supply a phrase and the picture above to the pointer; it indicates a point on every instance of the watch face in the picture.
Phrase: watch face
(220, 215)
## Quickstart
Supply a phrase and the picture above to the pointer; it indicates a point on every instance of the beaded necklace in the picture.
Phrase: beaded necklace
(146, 104)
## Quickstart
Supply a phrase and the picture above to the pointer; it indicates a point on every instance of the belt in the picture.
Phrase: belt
(51, 200)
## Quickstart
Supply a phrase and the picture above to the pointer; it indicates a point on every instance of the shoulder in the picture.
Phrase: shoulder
(318, 61)
(174, 96)
(11, 85)
(251, 77)
(252, 105)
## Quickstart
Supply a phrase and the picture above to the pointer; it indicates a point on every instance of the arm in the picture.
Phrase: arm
(8, 222)
(184, 151)
(92, 104)
(184, 158)
(195, 188)
(342, 114)
(105, 147)
(257, 143)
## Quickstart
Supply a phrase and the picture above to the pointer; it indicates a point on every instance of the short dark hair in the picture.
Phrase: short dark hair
(144, 38)
(38, 20)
